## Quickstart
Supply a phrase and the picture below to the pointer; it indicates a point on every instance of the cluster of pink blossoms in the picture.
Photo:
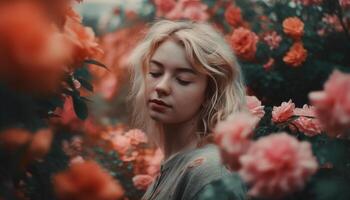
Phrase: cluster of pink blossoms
(188, 9)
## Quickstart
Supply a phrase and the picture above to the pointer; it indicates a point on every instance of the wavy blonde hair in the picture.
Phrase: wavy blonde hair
(209, 53)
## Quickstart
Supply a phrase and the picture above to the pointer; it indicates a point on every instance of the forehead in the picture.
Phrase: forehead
(171, 54)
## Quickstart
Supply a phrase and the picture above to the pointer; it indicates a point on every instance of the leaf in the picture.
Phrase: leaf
(95, 62)
(85, 84)
(80, 107)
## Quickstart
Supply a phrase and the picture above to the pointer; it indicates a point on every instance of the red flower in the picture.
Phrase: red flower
(233, 16)
(243, 42)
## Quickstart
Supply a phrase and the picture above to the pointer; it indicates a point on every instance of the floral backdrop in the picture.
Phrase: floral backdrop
(64, 131)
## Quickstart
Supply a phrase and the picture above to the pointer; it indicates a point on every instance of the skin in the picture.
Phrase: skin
(174, 81)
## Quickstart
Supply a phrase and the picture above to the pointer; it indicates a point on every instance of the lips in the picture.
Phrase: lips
(159, 102)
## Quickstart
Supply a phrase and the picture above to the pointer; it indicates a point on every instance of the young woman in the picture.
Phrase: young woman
(185, 79)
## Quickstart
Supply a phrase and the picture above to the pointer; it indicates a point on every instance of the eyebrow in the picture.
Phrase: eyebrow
(159, 64)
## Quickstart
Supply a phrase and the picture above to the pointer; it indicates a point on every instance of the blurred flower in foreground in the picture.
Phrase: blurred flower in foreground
(296, 55)
(32, 55)
(284, 112)
(86, 180)
(333, 104)
(277, 165)
(243, 42)
(233, 137)
(142, 181)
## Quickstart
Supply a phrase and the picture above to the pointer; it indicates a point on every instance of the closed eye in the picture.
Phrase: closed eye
(182, 82)
(155, 74)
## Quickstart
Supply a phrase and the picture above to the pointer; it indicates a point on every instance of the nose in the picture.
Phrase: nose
(163, 87)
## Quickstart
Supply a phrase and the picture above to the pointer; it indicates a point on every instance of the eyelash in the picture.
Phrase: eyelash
(181, 82)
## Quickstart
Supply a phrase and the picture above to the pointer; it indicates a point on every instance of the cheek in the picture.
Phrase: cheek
(190, 98)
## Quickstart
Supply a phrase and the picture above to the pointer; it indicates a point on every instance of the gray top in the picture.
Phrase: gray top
(185, 175)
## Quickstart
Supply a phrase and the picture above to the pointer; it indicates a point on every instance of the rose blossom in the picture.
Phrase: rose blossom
(272, 39)
(255, 107)
(136, 136)
(164, 6)
(344, 3)
(276, 165)
(189, 9)
(86, 180)
(142, 181)
(233, 16)
(307, 121)
(233, 137)
(293, 27)
(309, 2)
(333, 104)
(284, 112)
(243, 42)
(296, 55)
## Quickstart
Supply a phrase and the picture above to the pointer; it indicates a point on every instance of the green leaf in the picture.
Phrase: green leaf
(80, 107)
(85, 84)
(95, 62)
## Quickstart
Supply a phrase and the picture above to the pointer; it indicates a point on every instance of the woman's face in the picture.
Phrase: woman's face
(174, 90)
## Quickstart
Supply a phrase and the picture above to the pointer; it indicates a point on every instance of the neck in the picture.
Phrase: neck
(178, 137)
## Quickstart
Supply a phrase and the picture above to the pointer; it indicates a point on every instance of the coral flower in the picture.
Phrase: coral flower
(142, 181)
(233, 137)
(243, 42)
(333, 104)
(293, 27)
(164, 6)
(307, 121)
(189, 9)
(84, 42)
(136, 136)
(296, 55)
(40, 144)
(32, 54)
(284, 112)
(14, 138)
(233, 16)
(86, 180)
(277, 165)
(255, 107)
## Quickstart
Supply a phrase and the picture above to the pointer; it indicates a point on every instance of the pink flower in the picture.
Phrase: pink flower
(121, 143)
(269, 64)
(164, 6)
(233, 137)
(142, 181)
(136, 136)
(284, 112)
(276, 165)
(344, 3)
(189, 9)
(309, 2)
(333, 104)
(333, 22)
(255, 107)
(273, 40)
(307, 121)
(154, 162)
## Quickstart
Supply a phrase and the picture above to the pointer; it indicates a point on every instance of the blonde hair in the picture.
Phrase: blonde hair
(208, 52)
